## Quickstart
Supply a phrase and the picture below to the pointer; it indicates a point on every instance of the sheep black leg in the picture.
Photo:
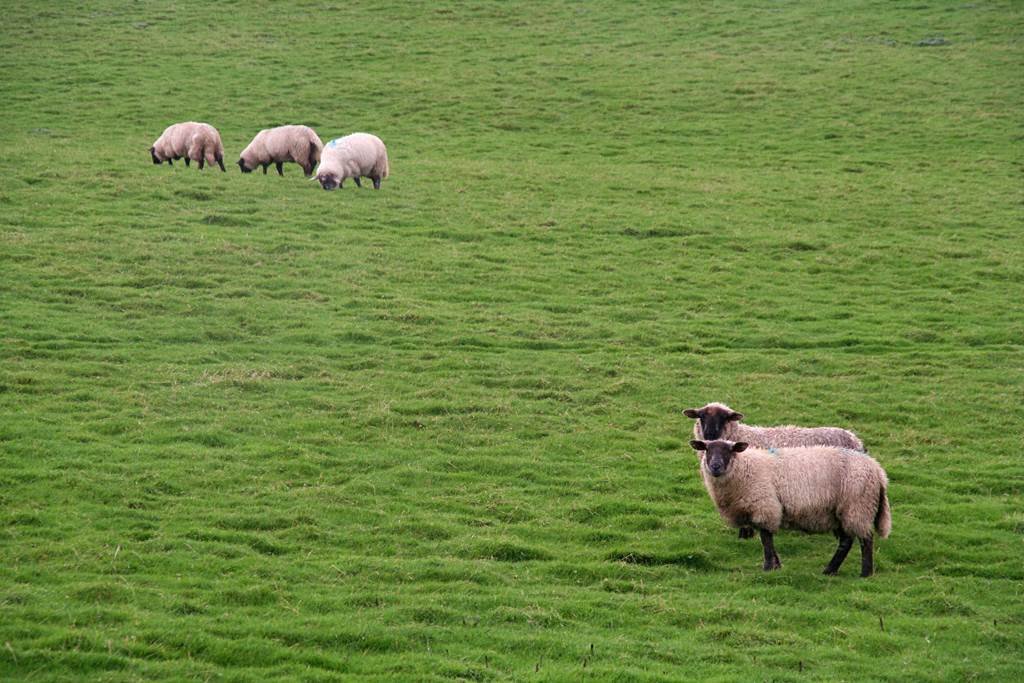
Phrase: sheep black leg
(376, 186)
(188, 162)
(220, 162)
(845, 543)
(170, 162)
(867, 562)
(746, 532)
(265, 168)
(771, 558)
(202, 164)
(280, 168)
(358, 184)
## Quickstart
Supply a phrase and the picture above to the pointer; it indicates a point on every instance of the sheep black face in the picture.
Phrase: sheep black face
(329, 181)
(718, 455)
(152, 153)
(713, 419)
(241, 165)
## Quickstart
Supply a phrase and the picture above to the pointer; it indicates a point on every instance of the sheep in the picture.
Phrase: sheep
(719, 421)
(810, 488)
(275, 146)
(353, 156)
(194, 141)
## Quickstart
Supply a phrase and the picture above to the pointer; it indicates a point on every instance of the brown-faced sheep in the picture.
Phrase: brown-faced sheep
(719, 421)
(811, 488)
(353, 156)
(194, 141)
(278, 145)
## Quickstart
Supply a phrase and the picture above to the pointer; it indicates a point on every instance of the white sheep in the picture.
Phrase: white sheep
(278, 145)
(810, 488)
(195, 141)
(353, 156)
(719, 421)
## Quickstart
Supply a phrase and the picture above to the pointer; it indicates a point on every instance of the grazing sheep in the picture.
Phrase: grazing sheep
(353, 156)
(811, 488)
(719, 421)
(275, 146)
(194, 141)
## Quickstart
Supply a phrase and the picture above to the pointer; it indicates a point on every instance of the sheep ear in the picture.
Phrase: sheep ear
(739, 446)
(735, 417)
(698, 445)
(692, 412)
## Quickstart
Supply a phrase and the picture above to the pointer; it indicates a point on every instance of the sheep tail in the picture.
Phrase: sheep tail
(387, 166)
(883, 518)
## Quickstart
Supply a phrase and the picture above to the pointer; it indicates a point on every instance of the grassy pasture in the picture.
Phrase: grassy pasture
(252, 430)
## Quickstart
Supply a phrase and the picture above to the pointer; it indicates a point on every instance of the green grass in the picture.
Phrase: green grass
(252, 430)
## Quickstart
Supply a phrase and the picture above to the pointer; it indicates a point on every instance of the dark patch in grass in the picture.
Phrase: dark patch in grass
(187, 608)
(265, 547)
(250, 597)
(353, 337)
(230, 221)
(103, 593)
(697, 561)
(264, 523)
(801, 246)
(508, 552)
(455, 236)
(655, 233)
(210, 439)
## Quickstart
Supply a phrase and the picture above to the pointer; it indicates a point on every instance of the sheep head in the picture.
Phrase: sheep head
(713, 418)
(718, 454)
(329, 181)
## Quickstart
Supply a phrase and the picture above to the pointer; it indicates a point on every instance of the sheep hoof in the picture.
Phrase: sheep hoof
(829, 571)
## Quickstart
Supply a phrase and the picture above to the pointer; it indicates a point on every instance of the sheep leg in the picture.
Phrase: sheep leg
(358, 184)
(280, 168)
(187, 162)
(170, 161)
(265, 168)
(746, 532)
(220, 162)
(376, 186)
(867, 563)
(771, 558)
(202, 163)
(845, 543)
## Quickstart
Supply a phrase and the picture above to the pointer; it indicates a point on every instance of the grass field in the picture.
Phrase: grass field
(252, 430)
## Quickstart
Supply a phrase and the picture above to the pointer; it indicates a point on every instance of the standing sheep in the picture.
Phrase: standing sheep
(813, 488)
(353, 156)
(194, 141)
(278, 145)
(719, 421)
